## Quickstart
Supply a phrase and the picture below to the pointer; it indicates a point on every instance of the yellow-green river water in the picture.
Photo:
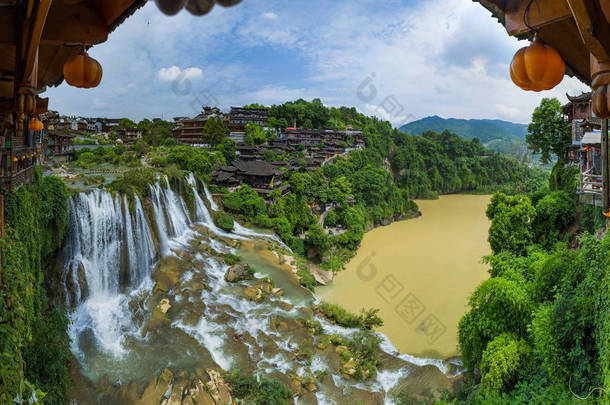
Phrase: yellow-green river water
(420, 273)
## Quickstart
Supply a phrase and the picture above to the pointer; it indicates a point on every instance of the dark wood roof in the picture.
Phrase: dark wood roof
(256, 168)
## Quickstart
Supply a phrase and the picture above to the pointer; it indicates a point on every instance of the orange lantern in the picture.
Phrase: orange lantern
(537, 67)
(15, 159)
(82, 71)
(35, 125)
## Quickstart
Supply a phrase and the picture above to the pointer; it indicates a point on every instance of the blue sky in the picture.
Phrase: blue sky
(401, 60)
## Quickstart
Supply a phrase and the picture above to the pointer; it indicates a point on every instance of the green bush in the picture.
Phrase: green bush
(501, 361)
(225, 221)
(257, 391)
(34, 346)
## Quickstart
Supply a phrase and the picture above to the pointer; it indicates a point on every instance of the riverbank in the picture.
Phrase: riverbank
(419, 273)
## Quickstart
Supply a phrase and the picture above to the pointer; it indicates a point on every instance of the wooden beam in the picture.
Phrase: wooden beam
(8, 20)
(77, 24)
(33, 40)
(593, 26)
(540, 14)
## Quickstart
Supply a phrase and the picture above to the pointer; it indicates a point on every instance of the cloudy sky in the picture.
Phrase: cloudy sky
(401, 61)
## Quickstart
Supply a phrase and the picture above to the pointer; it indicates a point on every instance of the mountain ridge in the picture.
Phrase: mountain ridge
(502, 136)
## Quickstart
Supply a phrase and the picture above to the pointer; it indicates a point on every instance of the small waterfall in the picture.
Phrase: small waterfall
(208, 196)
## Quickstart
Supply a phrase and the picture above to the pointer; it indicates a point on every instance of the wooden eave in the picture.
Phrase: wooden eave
(57, 30)
(577, 29)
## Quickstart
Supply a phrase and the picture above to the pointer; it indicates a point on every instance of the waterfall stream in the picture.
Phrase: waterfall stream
(110, 252)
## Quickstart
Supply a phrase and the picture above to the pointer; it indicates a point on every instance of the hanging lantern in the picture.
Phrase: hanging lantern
(15, 159)
(537, 67)
(35, 125)
(170, 7)
(199, 7)
(82, 71)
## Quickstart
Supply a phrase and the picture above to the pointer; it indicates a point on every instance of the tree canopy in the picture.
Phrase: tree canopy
(548, 133)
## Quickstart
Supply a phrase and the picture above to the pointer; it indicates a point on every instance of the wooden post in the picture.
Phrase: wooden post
(605, 167)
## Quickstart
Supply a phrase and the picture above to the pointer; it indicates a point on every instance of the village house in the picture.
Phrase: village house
(128, 135)
(262, 176)
(189, 131)
(240, 117)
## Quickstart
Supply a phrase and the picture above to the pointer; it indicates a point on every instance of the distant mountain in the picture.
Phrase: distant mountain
(502, 136)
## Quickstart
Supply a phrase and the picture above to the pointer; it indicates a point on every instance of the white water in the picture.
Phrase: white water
(208, 196)
(117, 251)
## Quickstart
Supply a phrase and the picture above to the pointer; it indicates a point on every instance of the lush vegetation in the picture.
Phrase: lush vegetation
(371, 186)
(367, 319)
(34, 346)
(500, 136)
(258, 391)
(538, 330)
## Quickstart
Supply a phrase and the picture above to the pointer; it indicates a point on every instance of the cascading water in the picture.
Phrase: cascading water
(110, 252)
(208, 196)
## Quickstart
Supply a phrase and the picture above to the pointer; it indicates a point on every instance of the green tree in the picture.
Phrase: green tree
(307, 124)
(255, 134)
(228, 148)
(214, 131)
(497, 306)
(501, 361)
(511, 223)
(126, 123)
(548, 133)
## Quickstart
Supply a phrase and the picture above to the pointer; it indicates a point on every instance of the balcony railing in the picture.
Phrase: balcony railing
(590, 183)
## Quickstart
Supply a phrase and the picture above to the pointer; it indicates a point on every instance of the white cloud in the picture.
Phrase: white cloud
(174, 72)
(270, 16)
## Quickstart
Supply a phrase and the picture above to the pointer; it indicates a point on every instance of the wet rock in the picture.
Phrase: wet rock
(128, 393)
(253, 293)
(156, 388)
(167, 275)
(175, 398)
(199, 393)
(277, 291)
(158, 318)
(424, 385)
(218, 388)
(238, 272)
(323, 277)
(285, 305)
(349, 368)
(359, 396)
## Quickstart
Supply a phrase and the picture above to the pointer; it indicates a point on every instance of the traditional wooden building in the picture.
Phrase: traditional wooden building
(189, 131)
(240, 117)
(262, 176)
(579, 30)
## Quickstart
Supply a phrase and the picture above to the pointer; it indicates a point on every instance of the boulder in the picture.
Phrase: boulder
(238, 272)
(425, 384)
(156, 388)
(285, 305)
(158, 317)
(253, 293)
(323, 277)
(277, 291)
(200, 394)
(218, 388)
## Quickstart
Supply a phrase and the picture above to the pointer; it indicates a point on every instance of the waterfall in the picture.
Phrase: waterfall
(208, 196)
(103, 235)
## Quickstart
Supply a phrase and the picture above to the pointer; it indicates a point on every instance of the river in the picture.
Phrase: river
(419, 273)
